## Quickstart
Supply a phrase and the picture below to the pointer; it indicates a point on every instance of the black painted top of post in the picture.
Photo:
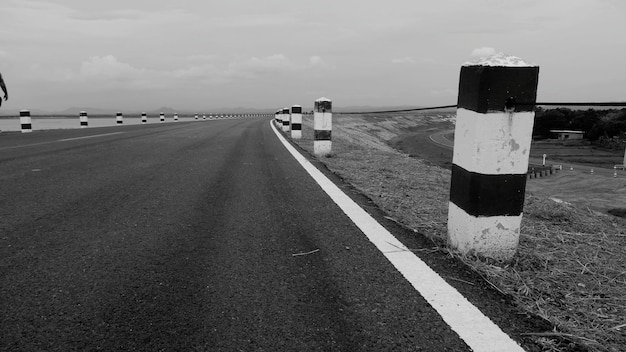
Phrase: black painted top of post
(323, 105)
(296, 109)
(498, 88)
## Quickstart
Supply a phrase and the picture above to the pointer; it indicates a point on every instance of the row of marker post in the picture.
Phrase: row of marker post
(290, 121)
(27, 126)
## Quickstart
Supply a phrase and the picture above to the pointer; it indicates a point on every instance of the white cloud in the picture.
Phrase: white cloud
(318, 62)
(315, 61)
(254, 66)
(403, 60)
(483, 51)
(108, 67)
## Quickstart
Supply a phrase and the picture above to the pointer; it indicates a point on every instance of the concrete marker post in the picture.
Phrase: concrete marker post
(195, 117)
(296, 122)
(119, 117)
(25, 121)
(322, 126)
(162, 117)
(175, 117)
(144, 118)
(84, 121)
(286, 118)
(491, 152)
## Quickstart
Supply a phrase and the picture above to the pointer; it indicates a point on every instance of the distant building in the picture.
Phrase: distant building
(566, 135)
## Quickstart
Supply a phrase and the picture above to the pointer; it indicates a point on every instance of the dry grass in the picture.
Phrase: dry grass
(571, 264)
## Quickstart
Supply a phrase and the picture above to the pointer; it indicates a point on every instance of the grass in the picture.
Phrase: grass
(570, 267)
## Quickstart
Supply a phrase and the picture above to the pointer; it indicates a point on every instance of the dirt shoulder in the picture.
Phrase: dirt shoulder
(569, 268)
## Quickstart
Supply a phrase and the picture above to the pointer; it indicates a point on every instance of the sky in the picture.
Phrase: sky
(204, 55)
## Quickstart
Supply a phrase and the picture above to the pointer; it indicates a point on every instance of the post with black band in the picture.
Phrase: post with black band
(491, 150)
(144, 117)
(84, 122)
(322, 126)
(25, 121)
(286, 119)
(296, 122)
(119, 118)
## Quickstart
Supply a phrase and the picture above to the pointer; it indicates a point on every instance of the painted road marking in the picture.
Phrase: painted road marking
(472, 326)
(91, 136)
(59, 140)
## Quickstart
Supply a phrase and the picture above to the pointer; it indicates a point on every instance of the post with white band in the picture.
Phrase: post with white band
(144, 118)
(494, 123)
(84, 122)
(25, 121)
(176, 117)
(322, 126)
(296, 122)
(119, 118)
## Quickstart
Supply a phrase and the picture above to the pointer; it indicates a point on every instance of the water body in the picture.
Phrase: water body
(13, 124)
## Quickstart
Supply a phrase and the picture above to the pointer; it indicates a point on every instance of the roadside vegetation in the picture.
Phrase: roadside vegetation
(570, 268)
(605, 128)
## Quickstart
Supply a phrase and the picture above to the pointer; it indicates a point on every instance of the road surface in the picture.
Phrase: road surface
(197, 236)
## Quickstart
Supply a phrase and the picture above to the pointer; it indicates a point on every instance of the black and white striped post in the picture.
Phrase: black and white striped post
(25, 121)
(296, 122)
(204, 117)
(492, 138)
(119, 118)
(278, 119)
(195, 117)
(84, 122)
(162, 117)
(144, 117)
(322, 126)
(175, 117)
(286, 118)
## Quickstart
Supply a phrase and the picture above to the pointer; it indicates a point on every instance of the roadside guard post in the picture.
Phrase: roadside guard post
(286, 118)
(494, 123)
(84, 122)
(119, 118)
(322, 126)
(296, 122)
(176, 117)
(162, 117)
(144, 118)
(25, 121)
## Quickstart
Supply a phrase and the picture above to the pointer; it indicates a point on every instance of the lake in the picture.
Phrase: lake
(47, 123)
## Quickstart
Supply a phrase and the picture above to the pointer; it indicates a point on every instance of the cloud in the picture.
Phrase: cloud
(403, 60)
(108, 67)
(255, 66)
(318, 62)
(482, 52)
(109, 71)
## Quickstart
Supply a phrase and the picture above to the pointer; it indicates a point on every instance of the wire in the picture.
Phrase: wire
(614, 104)
(405, 110)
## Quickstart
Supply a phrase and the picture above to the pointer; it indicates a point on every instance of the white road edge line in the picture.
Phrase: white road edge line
(472, 326)
(91, 136)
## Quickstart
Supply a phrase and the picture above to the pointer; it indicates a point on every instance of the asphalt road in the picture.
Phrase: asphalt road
(181, 237)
